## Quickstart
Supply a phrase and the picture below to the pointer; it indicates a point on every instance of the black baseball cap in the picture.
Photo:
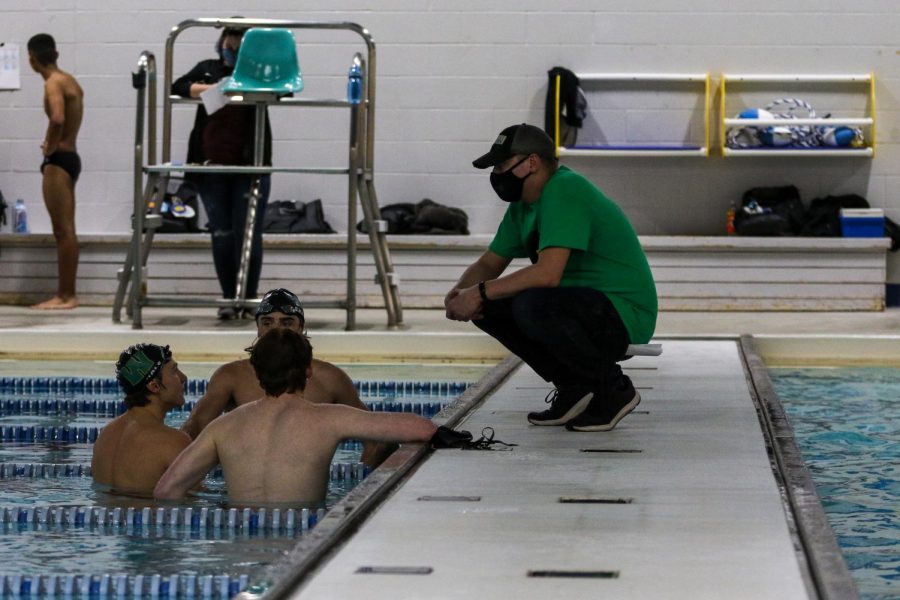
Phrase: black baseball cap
(280, 300)
(139, 364)
(517, 139)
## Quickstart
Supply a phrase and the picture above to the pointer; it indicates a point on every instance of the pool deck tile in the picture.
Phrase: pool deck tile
(705, 520)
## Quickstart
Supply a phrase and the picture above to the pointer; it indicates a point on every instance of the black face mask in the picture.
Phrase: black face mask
(507, 185)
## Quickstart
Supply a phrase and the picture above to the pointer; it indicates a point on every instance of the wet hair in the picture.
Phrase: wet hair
(138, 398)
(280, 360)
(43, 48)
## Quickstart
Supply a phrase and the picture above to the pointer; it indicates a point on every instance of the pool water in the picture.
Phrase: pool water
(847, 426)
(41, 538)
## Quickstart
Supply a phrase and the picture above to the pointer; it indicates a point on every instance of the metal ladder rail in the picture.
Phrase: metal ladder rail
(386, 276)
(255, 194)
(150, 202)
(143, 194)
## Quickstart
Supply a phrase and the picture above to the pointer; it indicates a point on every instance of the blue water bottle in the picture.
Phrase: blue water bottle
(20, 221)
(354, 85)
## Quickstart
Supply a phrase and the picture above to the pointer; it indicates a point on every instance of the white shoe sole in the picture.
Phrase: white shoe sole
(619, 416)
(577, 408)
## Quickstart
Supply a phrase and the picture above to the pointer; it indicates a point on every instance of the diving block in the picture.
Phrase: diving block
(643, 350)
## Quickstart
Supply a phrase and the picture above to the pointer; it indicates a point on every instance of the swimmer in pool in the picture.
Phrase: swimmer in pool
(135, 448)
(64, 105)
(235, 383)
(278, 449)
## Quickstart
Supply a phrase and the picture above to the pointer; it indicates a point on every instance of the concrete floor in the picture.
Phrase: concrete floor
(194, 333)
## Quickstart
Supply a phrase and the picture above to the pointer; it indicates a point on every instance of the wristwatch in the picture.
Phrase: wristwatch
(482, 291)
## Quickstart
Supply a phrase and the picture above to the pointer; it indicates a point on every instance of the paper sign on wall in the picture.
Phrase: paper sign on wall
(9, 67)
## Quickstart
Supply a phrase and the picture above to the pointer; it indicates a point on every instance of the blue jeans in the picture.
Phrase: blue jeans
(225, 197)
(571, 336)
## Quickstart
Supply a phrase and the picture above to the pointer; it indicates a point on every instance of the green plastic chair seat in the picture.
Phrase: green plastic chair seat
(266, 64)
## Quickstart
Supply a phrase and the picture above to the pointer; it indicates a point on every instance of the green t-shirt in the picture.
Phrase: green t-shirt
(606, 255)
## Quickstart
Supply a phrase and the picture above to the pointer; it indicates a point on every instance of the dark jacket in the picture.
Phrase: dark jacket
(211, 71)
(572, 107)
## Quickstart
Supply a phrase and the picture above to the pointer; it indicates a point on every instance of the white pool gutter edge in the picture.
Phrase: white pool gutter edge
(390, 346)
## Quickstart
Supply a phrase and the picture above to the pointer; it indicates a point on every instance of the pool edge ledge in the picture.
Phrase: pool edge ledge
(828, 349)
(337, 346)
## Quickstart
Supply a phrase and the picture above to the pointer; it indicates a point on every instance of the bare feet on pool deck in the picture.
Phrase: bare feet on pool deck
(57, 303)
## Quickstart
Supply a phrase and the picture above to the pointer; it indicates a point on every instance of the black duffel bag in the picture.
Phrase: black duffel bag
(293, 216)
(770, 211)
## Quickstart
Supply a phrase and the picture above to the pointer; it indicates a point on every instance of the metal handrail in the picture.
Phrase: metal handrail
(143, 79)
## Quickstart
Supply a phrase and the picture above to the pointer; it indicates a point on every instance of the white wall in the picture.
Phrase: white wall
(452, 74)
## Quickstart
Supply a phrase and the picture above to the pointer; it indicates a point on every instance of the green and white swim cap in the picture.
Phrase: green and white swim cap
(139, 364)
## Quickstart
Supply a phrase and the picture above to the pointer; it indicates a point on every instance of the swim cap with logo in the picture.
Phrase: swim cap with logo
(139, 364)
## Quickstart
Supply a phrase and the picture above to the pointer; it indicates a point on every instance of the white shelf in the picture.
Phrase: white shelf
(666, 80)
(857, 122)
(816, 78)
(867, 152)
(642, 77)
(632, 152)
(864, 82)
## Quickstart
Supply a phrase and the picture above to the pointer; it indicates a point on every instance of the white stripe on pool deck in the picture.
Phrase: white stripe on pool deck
(705, 520)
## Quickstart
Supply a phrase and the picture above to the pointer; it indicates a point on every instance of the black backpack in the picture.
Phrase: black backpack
(770, 211)
(823, 219)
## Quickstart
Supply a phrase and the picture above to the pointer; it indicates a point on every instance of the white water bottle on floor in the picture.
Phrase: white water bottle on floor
(20, 219)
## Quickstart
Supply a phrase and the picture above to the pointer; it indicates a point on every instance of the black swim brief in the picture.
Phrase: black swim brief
(65, 160)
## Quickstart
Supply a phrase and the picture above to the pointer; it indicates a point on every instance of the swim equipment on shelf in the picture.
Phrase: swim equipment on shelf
(794, 136)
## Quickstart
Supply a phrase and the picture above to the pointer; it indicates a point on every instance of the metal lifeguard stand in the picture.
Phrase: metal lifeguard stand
(151, 178)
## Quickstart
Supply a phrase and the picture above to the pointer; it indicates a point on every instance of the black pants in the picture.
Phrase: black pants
(570, 336)
(225, 197)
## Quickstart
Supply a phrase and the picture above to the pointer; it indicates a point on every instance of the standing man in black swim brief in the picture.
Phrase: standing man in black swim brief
(64, 106)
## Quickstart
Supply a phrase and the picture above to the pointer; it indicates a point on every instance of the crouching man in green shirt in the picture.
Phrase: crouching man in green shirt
(587, 294)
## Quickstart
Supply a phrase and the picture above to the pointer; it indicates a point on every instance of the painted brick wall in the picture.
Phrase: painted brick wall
(450, 75)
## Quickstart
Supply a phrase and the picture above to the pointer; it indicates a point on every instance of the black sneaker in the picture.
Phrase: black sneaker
(605, 410)
(565, 405)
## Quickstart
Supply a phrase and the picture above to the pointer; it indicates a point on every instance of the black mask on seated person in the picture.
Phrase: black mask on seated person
(507, 186)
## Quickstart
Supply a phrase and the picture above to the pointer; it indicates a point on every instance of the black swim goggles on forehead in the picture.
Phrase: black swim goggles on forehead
(280, 300)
